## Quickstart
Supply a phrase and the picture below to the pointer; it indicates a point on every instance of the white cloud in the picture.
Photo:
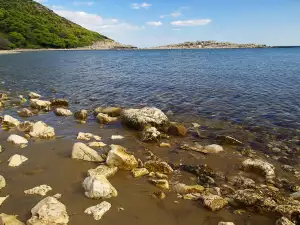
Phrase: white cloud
(89, 3)
(174, 14)
(144, 5)
(191, 23)
(154, 23)
(56, 7)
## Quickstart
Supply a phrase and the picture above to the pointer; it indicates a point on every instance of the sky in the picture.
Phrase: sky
(161, 22)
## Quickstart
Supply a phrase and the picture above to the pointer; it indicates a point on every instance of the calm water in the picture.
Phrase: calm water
(254, 87)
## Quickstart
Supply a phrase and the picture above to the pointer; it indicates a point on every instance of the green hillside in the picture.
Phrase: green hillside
(28, 24)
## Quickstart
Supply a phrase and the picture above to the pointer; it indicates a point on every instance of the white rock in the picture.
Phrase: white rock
(39, 190)
(266, 168)
(87, 136)
(84, 152)
(2, 182)
(150, 134)
(63, 112)
(40, 104)
(117, 137)
(9, 220)
(10, 121)
(49, 211)
(97, 144)
(2, 199)
(98, 210)
(34, 95)
(139, 172)
(139, 118)
(103, 170)
(57, 196)
(42, 130)
(17, 140)
(119, 157)
(225, 223)
(16, 160)
(104, 118)
(213, 148)
(98, 187)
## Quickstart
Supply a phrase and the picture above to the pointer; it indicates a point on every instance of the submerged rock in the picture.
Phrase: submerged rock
(9, 220)
(60, 102)
(41, 190)
(83, 152)
(119, 157)
(16, 160)
(2, 182)
(97, 144)
(187, 189)
(25, 126)
(10, 121)
(98, 210)
(147, 116)
(264, 167)
(63, 112)
(103, 170)
(33, 95)
(111, 111)
(158, 175)
(42, 130)
(17, 140)
(158, 166)
(3, 96)
(284, 221)
(163, 144)
(150, 134)
(177, 129)
(139, 172)
(161, 183)
(228, 140)
(213, 202)
(26, 113)
(117, 137)
(87, 136)
(40, 104)
(225, 223)
(81, 115)
(196, 147)
(213, 148)
(49, 211)
(98, 187)
(104, 118)
(159, 194)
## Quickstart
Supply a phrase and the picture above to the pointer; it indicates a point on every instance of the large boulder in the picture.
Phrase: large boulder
(104, 118)
(10, 121)
(49, 211)
(119, 157)
(111, 111)
(17, 140)
(147, 116)
(158, 166)
(150, 134)
(98, 187)
(63, 112)
(98, 210)
(83, 152)
(60, 102)
(267, 169)
(41, 130)
(40, 104)
(103, 170)
(9, 220)
(33, 95)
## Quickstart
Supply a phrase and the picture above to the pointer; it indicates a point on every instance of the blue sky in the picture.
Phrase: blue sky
(160, 22)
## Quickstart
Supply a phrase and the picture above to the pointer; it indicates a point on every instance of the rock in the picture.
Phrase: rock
(17, 140)
(213, 202)
(98, 210)
(16, 160)
(228, 140)
(158, 166)
(163, 144)
(87, 136)
(104, 118)
(10, 121)
(150, 134)
(140, 118)
(25, 126)
(63, 112)
(264, 167)
(177, 129)
(158, 175)
(295, 195)
(81, 115)
(2, 199)
(39, 190)
(187, 189)
(49, 211)
(97, 144)
(1, 150)
(139, 172)
(119, 157)
(117, 137)
(9, 220)
(247, 197)
(98, 187)
(25, 113)
(161, 183)
(284, 221)
(111, 111)
(241, 181)
(83, 152)
(40, 104)
(33, 95)
(289, 211)
(103, 170)
(60, 102)
(2, 182)
(159, 194)
(213, 148)
(1, 104)
(3, 96)
(289, 169)
(196, 147)
(57, 196)
(225, 223)
(41, 130)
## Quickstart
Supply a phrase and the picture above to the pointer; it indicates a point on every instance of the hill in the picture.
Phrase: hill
(209, 45)
(28, 24)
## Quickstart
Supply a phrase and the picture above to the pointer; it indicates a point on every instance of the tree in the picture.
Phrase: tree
(17, 39)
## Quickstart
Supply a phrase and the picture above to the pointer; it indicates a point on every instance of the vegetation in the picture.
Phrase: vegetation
(28, 24)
